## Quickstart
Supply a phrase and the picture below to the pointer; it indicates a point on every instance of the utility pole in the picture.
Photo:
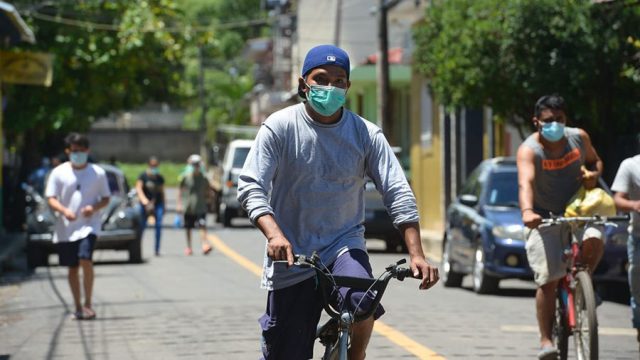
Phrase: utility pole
(338, 23)
(382, 65)
(203, 104)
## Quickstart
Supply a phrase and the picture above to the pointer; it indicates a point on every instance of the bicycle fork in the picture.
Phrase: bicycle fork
(568, 286)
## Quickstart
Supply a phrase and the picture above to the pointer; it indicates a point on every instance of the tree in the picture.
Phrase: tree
(216, 56)
(506, 54)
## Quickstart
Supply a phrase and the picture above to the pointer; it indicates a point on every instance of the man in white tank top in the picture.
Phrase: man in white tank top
(552, 165)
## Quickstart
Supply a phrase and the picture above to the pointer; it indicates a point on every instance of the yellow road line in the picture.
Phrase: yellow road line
(243, 261)
(400, 339)
(395, 336)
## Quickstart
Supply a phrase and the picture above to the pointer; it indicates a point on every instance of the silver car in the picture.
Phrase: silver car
(120, 222)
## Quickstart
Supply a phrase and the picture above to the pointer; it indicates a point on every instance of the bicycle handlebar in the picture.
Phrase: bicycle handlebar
(328, 281)
(592, 219)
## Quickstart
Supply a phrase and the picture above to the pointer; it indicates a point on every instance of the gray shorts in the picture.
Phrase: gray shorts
(545, 247)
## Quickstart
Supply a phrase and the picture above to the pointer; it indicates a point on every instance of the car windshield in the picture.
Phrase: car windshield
(503, 189)
(239, 156)
(112, 179)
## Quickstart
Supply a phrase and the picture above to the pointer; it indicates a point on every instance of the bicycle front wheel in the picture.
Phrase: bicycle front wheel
(561, 330)
(586, 331)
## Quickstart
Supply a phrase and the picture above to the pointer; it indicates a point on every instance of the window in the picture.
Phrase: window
(503, 189)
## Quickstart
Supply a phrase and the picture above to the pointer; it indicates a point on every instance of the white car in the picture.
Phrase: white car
(232, 164)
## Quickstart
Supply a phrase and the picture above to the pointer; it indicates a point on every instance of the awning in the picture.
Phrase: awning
(12, 28)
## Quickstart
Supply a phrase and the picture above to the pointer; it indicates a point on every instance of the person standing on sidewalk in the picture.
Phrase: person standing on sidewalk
(302, 185)
(150, 190)
(193, 191)
(552, 165)
(626, 186)
(77, 190)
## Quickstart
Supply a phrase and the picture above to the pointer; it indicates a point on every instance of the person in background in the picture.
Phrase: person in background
(77, 190)
(192, 193)
(553, 163)
(150, 190)
(626, 186)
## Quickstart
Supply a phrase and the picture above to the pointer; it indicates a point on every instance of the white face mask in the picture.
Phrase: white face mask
(78, 158)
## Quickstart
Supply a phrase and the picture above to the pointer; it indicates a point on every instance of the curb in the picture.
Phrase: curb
(432, 244)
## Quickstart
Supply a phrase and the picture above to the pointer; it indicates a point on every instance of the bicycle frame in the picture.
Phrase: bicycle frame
(576, 285)
(343, 319)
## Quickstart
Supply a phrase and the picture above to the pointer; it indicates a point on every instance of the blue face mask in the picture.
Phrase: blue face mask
(553, 131)
(326, 100)
(78, 158)
(154, 171)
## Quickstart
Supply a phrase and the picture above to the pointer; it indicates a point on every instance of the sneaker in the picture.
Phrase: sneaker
(548, 353)
(188, 251)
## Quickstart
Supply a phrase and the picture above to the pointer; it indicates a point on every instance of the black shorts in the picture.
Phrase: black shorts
(195, 221)
(70, 252)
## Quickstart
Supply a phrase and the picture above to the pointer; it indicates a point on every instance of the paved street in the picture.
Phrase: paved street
(205, 307)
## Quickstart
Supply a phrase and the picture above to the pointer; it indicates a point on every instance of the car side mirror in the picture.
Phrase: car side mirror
(469, 200)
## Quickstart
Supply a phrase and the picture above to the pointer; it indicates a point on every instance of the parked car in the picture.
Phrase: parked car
(120, 222)
(484, 234)
(232, 163)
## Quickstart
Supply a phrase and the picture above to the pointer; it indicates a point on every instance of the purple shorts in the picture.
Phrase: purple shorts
(292, 315)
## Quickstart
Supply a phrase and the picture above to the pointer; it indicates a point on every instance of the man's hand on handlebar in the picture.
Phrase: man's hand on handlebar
(279, 248)
(531, 219)
(429, 273)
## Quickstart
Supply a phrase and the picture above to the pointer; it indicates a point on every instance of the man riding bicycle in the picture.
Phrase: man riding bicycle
(552, 165)
(303, 186)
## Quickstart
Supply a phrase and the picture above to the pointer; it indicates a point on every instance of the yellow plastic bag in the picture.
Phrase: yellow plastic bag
(590, 202)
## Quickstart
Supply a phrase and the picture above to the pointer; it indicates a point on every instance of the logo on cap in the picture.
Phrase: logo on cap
(331, 58)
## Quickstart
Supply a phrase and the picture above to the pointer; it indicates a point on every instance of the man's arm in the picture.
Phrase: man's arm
(526, 175)
(91, 209)
(278, 247)
(623, 202)
(419, 265)
(594, 165)
(56, 205)
(140, 192)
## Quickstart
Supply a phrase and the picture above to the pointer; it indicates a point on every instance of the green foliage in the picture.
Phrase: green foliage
(506, 54)
(226, 75)
(170, 171)
(119, 54)
(116, 55)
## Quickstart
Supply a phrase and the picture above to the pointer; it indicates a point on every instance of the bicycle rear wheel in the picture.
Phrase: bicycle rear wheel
(561, 330)
(586, 332)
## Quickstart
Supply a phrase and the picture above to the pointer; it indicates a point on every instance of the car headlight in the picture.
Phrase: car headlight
(514, 231)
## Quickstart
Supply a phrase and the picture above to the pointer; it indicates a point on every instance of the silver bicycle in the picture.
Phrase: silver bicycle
(334, 334)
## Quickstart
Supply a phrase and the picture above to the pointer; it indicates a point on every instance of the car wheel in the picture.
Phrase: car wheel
(135, 250)
(482, 282)
(449, 277)
(226, 217)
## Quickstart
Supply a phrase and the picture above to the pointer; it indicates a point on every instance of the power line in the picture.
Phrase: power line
(111, 27)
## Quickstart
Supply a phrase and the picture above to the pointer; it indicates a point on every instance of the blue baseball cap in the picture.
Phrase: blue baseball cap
(325, 55)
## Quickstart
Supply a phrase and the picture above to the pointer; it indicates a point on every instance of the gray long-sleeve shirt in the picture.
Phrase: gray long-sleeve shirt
(311, 177)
